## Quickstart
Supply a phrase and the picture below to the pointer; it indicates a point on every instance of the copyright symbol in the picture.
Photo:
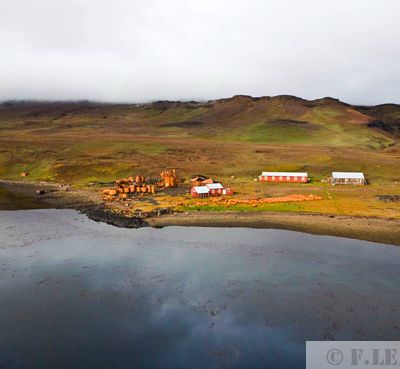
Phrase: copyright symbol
(334, 357)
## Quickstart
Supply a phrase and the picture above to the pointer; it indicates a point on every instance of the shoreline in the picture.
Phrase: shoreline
(381, 230)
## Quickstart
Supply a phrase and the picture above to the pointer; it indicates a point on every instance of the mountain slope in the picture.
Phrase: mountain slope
(83, 141)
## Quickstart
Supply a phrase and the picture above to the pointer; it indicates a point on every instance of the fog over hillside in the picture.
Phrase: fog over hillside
(139, 51)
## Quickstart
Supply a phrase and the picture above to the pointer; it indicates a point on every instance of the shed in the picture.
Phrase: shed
(217, 189)
(301, 177)
(354, 178)
(200, 181)
(200, 191)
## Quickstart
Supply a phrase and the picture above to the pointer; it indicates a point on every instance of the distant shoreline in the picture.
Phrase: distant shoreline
(374, 229)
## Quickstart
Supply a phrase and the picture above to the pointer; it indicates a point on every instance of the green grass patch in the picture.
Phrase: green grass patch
(277, 132)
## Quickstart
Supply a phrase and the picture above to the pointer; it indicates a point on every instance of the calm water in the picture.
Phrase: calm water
(76, 294)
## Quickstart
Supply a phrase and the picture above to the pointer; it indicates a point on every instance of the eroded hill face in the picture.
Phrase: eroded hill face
(385, 117)
(81, 140)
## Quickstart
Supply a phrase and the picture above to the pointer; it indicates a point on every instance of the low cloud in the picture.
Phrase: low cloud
(136, 51)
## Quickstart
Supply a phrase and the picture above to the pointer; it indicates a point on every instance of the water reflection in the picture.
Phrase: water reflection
(77, 294)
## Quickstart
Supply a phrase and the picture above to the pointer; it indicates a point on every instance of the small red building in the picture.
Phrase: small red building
(200, 191)
(200, 181)
(211, 189)
(216, 189)
(296, 177)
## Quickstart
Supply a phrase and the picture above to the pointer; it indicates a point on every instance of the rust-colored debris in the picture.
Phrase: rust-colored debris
(169, 178)
(127, 187)
(268, 200)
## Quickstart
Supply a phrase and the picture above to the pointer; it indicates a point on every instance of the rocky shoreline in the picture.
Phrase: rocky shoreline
(99, 214)
(52, 195)
(381, 230)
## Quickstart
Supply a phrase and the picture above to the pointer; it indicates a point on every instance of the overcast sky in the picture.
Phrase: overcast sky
(142, 50)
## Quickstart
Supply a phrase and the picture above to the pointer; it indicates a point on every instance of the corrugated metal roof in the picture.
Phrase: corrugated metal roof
(201, 189)
(344, 175)
(214, 186)
(285, 174)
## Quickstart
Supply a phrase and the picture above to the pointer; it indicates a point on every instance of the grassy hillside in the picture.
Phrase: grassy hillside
(85, 142)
